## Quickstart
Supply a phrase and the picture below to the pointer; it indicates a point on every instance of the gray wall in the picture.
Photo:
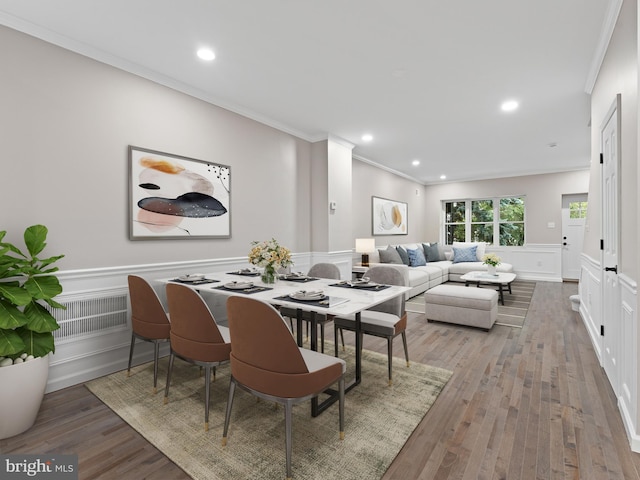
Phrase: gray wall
(618, 75)
(371, 181)
(543, 200)
(66, 122)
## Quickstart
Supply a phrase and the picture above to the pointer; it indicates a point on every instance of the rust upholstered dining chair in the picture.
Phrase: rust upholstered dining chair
(267, 362)
(195, 337)
(320, 270)
(149, 321)
(387, 320)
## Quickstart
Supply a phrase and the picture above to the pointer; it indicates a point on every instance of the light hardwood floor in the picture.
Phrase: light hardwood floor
(528, 403)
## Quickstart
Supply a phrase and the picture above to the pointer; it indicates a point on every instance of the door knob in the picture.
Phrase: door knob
(564, 243)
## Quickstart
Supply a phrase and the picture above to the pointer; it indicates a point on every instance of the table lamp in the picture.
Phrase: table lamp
(365, 246)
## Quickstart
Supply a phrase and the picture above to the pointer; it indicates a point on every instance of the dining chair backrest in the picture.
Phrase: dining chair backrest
(325, 270)
(148, 316)
(194, 332)
(264, 355)
(388, 276)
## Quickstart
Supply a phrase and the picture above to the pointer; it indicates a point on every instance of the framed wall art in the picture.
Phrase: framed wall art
(389, 217)
(175, 197)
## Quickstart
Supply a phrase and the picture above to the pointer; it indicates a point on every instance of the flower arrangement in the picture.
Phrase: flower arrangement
(491, 259)
(271, 256)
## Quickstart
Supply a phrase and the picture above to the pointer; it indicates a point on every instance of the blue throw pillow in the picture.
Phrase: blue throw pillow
(416, 257)
(403, 255)
(465, 254)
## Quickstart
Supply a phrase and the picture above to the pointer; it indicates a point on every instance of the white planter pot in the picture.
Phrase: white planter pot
(491, 270)
(21, 393)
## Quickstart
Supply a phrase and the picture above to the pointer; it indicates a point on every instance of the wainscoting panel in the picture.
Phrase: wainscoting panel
(95, 334)
(627, 337)
(535, 262)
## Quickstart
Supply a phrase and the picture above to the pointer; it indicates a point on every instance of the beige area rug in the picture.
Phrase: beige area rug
(378, 421)
(511, 314)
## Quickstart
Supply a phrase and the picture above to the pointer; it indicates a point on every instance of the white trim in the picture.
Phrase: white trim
(608, 26)
(156, 77)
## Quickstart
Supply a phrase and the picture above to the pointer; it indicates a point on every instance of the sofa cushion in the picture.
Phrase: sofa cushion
(416, 257)
(403, 254)
(390, 255)
(481, 247)
(467, 254)
(432, 252)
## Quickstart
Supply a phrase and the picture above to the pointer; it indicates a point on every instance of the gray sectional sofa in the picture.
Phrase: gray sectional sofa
(441, 263)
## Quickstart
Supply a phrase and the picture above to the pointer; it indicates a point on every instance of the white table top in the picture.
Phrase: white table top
(478, 276)
(342, 301)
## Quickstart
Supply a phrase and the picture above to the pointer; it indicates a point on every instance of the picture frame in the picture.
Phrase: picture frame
(176, 197)
(389, 217)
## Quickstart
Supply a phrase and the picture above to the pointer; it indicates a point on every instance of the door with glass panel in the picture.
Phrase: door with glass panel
(574, 214)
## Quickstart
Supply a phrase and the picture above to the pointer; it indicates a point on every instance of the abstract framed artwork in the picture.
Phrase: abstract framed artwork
(389, 217)
(175, 197)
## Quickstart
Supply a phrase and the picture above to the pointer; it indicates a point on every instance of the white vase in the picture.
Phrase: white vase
(22, 391)
(491, 270)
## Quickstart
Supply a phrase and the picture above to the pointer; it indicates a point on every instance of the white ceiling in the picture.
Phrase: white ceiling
(424, 77)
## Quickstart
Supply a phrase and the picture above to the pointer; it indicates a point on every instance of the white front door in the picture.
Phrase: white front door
(574, 212)
(611, 327)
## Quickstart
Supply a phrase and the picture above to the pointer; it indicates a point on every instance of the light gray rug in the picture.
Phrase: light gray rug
(378, 421)
(512, 313)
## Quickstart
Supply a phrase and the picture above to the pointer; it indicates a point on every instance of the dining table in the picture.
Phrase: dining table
(315, 296)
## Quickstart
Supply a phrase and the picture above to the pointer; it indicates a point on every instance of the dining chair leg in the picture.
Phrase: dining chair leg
(406, 350)
(341, 406)
(172, 357)
(390, 355)
(335, 340)
(207, 393)
(133, 342)
(227, 416)
(156, 354)
(288, 418)
(322, 337)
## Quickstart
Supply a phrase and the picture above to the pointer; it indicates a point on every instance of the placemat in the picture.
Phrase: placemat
(195, 282)
(298, 279)
(246, 291)
(245, 274)
(376, 287)
(324, 303)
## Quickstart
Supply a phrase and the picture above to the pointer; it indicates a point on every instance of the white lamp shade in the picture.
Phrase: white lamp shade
(365, 245)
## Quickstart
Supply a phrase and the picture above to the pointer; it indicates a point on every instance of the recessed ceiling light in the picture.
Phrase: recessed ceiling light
(206, 54)
(509, 106)
(415, 163)
(367, 137)
(443, 177)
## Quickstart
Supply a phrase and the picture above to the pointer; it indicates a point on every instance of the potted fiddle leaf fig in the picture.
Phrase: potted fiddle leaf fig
(27, 291)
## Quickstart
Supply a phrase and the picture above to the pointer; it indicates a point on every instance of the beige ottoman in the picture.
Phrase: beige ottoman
(475, 307)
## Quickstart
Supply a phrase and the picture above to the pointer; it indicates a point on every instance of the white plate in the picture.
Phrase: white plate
(308, 298)
(193, 277)
(238, 285)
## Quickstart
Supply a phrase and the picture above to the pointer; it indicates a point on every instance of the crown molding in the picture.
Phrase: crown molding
(608, 25)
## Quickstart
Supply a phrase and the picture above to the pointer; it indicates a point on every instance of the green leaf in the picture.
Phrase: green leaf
(10, 343)
(36, 344)
(14, 293)
(44, 287)
(48, 261)
(34, 239)
(10, 316)
(53, 304)
(39, 318)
